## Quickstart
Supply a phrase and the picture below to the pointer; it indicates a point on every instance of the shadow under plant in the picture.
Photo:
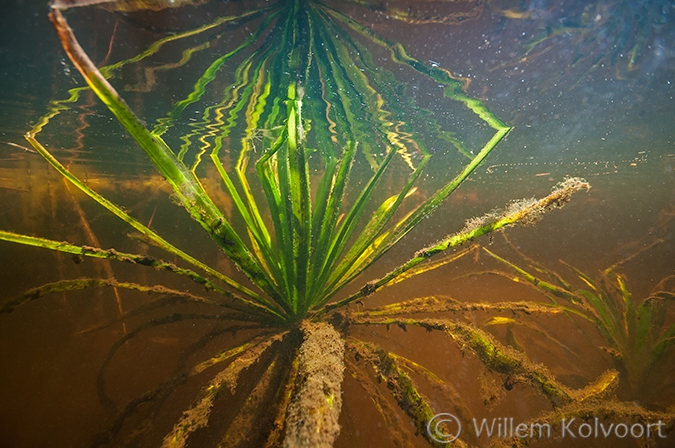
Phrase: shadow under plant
(312, 110)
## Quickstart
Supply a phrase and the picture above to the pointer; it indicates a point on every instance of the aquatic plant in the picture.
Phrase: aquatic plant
(637, 334)
(308, 232)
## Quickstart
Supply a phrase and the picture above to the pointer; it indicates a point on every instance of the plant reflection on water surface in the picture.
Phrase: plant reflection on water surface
(318, 164)
(619, 34)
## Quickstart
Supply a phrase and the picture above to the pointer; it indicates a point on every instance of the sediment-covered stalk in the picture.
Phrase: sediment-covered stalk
(313, 414)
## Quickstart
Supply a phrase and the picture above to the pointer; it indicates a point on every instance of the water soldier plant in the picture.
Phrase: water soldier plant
(310, 229)
(636, 334)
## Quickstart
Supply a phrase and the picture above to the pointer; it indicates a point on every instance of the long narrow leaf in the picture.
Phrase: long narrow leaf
(154, 237)
(142, 260)
(186, 187)
(523, 211)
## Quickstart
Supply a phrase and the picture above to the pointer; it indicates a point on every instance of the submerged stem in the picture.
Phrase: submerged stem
(313, 414)
(526, 211)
